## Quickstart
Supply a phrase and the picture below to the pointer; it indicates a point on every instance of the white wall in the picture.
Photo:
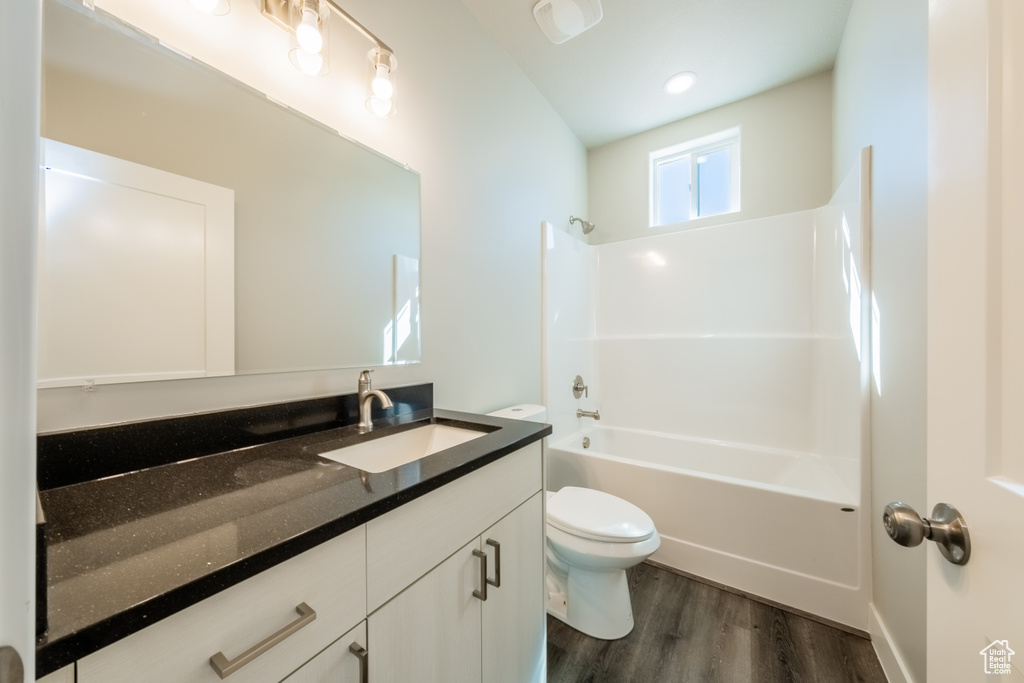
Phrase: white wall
(880, 82)
(494, 160)
(786, 157)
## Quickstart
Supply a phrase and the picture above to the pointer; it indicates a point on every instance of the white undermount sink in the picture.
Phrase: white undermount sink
(389, 452)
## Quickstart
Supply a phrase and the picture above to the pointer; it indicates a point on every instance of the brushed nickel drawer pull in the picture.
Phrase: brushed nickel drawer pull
(482, 592)
(364, 661)
(497, 563)
(225, 667)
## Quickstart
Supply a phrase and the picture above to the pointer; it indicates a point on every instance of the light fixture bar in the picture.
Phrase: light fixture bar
(357, 26)
(277, 11)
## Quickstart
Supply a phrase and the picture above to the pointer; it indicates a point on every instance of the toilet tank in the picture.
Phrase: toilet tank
(523, 411)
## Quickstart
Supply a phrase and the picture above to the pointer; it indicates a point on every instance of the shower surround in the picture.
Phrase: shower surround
(731, 366)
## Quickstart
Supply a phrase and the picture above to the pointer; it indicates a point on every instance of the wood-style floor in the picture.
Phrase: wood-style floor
(687, 631)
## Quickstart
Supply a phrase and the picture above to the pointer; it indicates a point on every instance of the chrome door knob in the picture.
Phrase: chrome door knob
(903, 524)
(11, 669)
(946, 527)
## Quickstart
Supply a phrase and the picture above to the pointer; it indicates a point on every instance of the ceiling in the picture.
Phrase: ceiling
(607, 82)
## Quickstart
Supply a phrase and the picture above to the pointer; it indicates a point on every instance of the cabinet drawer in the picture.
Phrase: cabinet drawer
(406, 543)
(330, 579)
(336, 664)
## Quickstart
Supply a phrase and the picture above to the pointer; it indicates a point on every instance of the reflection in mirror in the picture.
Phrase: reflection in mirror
(136, 272)
(326, 232)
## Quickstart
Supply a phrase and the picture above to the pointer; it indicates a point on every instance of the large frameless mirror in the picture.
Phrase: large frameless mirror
(324, 270)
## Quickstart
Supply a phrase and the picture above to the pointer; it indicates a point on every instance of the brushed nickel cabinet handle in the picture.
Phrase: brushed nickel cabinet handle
(225, 667)
(497, 563)
(364, 661)
(482, 593)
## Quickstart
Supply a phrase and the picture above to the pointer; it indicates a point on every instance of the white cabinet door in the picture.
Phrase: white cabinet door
(65, 675)
(430, 633)
(513, 615)
(336, 664)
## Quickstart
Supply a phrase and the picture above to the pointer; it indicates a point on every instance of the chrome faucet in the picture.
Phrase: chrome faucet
(366, 395)
(596, 414)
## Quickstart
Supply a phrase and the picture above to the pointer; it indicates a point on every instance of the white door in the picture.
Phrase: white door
(976, 334)
(19, 144)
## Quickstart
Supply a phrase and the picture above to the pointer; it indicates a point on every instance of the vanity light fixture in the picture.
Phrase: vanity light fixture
(218, 8)
(308, 30)
(312, 63)
(382, 87)
(308, 45)
(306, 21)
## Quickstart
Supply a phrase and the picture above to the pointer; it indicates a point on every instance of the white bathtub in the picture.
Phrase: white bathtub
(778, 524)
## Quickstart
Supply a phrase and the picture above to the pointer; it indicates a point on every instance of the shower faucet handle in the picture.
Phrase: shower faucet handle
(579, 388)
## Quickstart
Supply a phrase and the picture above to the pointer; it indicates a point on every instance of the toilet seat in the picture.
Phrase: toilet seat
(598, 516)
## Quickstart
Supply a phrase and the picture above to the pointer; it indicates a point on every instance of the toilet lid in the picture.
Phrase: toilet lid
(598, 515)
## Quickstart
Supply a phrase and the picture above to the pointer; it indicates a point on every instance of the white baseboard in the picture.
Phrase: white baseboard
(888, 654)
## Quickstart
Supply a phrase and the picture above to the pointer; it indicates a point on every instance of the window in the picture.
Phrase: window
(696, 178)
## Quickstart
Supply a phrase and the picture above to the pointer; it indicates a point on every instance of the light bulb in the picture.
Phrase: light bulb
(309, 62)
(308, 31)
(381, 85)
(380, 107)
(207, 6)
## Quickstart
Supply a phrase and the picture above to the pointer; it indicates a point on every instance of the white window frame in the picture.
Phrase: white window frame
(694, 149)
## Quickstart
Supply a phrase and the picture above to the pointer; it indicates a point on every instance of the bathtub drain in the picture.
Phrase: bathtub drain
(586, 442)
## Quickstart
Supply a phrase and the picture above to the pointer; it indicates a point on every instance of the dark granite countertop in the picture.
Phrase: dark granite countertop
(128, 549)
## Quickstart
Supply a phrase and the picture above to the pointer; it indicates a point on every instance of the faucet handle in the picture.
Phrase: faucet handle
(364, 378)
(579, 388)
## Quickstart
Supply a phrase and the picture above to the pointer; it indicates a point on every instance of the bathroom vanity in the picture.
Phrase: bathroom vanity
(268, 562)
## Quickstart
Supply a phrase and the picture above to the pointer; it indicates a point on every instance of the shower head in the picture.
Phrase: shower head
(586, 225)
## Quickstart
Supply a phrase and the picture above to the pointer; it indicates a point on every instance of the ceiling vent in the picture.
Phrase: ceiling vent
(561, 20)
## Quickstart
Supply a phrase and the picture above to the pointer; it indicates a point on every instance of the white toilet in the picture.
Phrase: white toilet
(592, 539)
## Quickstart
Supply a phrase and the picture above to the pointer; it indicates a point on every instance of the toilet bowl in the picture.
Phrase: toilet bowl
(592, 539)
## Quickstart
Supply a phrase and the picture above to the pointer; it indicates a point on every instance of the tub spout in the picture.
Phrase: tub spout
(596, 414)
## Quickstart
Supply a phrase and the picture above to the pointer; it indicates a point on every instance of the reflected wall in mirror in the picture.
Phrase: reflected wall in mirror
(326, 231)
(136, 272)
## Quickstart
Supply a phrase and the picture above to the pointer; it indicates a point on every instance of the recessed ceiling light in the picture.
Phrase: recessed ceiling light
(680, 83)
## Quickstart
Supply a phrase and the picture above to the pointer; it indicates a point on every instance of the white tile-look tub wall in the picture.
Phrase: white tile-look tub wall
(738, 332)
(570, 272)
(707, 332)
